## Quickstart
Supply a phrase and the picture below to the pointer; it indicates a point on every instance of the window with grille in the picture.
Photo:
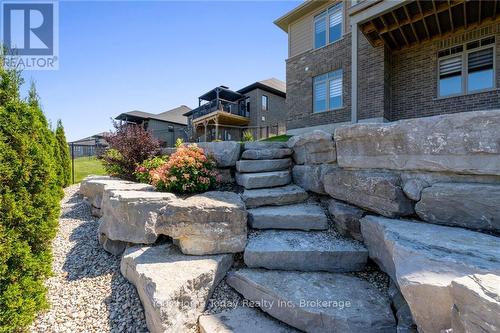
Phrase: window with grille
(328, 26)
(327, 91)
(467, 68)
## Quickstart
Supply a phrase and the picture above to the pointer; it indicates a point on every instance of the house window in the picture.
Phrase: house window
(327, 91)
(467, 68)
(328, 26)
(265, 103)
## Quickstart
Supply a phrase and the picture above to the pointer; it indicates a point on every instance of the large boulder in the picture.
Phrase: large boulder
(276, 196)
(317, 302)
(225, 153)
(473, 206)
(93, 187)
(266, 154)
(465, 142)
(174, 288)
(310, 177)
(131, 216)
(315, 147)
(258, 145)
(346, 218)
(242, 320)
(476, 304)
(208, 223)
(376, 191)
(263, 179)
(424, 259)
(263, 165)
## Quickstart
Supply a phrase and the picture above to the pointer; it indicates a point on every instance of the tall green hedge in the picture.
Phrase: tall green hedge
(63, 156)
(29, 204)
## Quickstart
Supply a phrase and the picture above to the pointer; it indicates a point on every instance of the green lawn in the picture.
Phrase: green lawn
(85, 166)
(278, 138)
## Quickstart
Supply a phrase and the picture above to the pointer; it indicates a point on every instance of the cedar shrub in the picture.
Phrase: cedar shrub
(29, 204)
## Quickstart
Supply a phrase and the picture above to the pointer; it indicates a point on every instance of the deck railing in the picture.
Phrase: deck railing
(236, 108)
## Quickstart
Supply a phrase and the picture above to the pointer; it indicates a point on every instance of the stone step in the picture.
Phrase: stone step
(242, 320)
(263, 179)
(300, 216)
(317, 302)
(263, 165)
(266, 154)
(304, 251)
(174, 288)
(258, 145)
(277, 196)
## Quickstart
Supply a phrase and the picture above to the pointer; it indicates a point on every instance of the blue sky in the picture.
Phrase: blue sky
(117, 56)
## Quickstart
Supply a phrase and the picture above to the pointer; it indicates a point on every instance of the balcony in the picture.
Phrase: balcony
(221, 106)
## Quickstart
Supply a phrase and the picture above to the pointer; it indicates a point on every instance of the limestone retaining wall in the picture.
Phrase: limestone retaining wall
(442, 169)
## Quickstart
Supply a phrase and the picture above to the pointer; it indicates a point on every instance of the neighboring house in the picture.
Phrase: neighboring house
(224, 114)
(167, 126)
(389, 60)
(90, 146)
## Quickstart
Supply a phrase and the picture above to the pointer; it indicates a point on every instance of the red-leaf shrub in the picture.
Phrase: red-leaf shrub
(130, 145)
(188, 170)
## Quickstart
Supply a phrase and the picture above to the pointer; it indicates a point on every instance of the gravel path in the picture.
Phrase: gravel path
(87, 292)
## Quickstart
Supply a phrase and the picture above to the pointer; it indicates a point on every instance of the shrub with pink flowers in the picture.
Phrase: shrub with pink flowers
(188, 170)
(142, 171)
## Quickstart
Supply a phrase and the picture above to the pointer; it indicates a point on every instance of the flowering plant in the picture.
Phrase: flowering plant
(142, 171)
(188, 170)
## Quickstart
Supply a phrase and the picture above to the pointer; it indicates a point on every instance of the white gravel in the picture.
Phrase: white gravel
(87, 292)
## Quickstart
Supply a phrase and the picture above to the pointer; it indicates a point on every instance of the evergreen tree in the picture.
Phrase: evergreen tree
(29, 204)
(63, 155)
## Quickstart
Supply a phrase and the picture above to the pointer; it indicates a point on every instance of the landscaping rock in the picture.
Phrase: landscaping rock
(93, 187)
(266, 154)
(263, 165)
(317, 302)
(276, 196)
(376, 191)
(259, 145)
(174, 288)
(315, 147)
(464, 142)
(402, 310)
(413, 188)
(208, 223)
(346, 218)
(242, 320)
(299, 216)
(424, 259)
(476, 301)
(263, 179)
(225, 176)
(310, 177)
(304, 251)
(131, 216)
(114, 247)
(473, 206)
(225, 153)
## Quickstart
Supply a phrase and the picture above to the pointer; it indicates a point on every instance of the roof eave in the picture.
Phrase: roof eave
(296, 13)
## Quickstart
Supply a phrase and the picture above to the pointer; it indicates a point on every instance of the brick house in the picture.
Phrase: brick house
(224, 114)
(167, 126)
(382, 60)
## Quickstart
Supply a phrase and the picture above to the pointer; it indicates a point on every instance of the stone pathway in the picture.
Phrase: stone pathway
(87, 292)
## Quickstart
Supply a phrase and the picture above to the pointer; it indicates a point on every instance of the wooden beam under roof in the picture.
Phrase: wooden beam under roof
(437, 18)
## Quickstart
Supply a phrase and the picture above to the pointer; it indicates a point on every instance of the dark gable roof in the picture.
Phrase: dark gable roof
(173, 116)
(271, 85)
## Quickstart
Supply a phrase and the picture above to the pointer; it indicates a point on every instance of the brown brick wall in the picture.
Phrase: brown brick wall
(414, 86)
(301, 69)
(393, 85)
